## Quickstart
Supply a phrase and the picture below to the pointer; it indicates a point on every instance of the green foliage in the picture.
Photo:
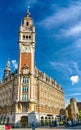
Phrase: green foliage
(80, 111)
(79, 116)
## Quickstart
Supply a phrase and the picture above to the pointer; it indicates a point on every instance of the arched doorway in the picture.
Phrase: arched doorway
(42, 121)
(46, 121)
(49, 121)
(24, 121)
(52, 121)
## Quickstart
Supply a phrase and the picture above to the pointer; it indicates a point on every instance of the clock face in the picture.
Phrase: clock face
(25, 48)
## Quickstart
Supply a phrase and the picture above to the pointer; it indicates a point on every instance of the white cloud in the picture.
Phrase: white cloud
(74, 79)
(74, 89)
(75, 30)
(65, 16)
(14, 63)
(66, 68)
(61, 66)
(73, 94)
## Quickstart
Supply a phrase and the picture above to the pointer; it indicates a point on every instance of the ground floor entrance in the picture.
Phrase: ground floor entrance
(25, 120)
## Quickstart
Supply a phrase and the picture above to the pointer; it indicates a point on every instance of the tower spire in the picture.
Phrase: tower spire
(8, 64)
(7, 69)
(28, 7)
(28, 11)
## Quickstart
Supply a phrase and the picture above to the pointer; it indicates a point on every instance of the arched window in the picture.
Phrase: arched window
(29, 37)
(42, 121)
(27, 23)
(24, 119)
(26, 37)
(23, 37)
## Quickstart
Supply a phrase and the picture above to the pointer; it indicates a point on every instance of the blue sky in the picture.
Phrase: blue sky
(58, 39)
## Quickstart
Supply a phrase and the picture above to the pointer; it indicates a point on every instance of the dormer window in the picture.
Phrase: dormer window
(27, 23)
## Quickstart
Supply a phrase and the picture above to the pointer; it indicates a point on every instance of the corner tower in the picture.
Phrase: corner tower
(7, 70)
(27, 43)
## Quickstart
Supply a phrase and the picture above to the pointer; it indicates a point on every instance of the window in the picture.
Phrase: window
(24, 97)
(29, 37)
(25, 89)
(25, 80)
(24, 108)
(26, 37)
(27, 23)
(23, 37)
(22, 89)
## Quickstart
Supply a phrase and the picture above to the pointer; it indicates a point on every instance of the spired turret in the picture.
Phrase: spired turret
(7, 70)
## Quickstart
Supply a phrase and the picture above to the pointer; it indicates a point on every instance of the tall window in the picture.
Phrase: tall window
(26, 37)
(25, 80)
(25, 89)
(24, 97)
(23, 37)
(27, 23)
(29, 37)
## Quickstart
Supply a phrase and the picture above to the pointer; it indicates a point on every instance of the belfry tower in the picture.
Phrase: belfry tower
(26, 56)
(27, 43)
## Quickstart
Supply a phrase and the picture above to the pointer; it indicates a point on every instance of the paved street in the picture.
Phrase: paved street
(35, 129)
(52, 128)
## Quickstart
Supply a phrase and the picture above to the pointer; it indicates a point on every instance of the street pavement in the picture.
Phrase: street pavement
(51, 128)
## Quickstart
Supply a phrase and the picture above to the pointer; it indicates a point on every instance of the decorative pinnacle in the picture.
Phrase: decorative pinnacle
(8, 63)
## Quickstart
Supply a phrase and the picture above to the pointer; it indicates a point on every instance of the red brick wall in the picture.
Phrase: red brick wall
(26, 59)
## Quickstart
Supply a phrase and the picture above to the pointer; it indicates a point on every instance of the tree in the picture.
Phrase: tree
(79, 116)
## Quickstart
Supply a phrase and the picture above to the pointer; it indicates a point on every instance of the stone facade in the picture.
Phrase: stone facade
(79, 105)
(28, 94)
(72, 110)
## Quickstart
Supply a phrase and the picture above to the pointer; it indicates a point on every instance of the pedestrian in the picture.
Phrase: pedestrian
(33, 125)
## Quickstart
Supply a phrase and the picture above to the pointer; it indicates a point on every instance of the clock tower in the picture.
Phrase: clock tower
(26, 58)
(27, 43)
